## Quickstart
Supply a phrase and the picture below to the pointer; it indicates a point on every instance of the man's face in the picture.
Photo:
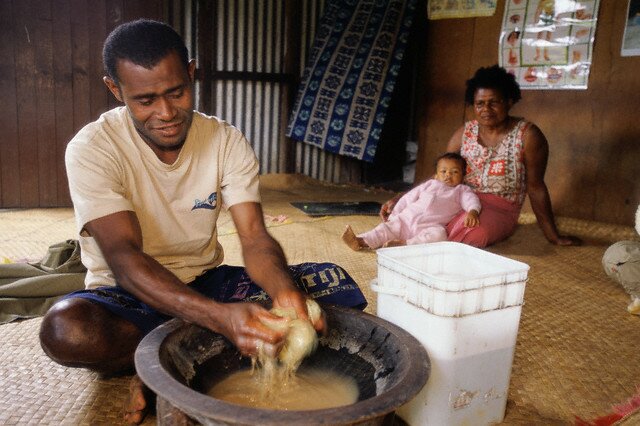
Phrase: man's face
(159, 101)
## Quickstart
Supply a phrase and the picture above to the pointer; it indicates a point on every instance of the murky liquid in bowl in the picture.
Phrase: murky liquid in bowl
(308, 389)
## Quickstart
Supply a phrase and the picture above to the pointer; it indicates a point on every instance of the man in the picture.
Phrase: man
(133, 176)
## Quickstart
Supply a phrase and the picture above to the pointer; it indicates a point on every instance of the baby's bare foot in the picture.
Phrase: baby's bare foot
(350, 239)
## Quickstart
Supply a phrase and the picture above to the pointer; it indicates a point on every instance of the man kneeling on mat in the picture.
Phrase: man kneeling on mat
(148, 181)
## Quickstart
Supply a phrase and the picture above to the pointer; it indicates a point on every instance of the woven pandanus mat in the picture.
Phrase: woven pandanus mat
(576, 352)
(589, 230)
(25, 235)
(35, 390)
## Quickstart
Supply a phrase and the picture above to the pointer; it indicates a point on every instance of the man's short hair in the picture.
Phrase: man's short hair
(143, 42)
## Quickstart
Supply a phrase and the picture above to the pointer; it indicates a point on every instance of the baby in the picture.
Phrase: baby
(422, 214)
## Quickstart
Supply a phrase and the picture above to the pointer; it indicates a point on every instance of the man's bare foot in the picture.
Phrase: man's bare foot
(354, 242)
(138, 404)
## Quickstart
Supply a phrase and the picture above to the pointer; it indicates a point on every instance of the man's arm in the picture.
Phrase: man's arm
(120, 240)
(536, 153)
(265, 261)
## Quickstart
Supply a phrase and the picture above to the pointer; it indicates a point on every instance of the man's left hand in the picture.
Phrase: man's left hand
(293, 298)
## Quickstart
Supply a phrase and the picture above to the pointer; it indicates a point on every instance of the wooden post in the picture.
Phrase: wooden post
(205, 43)
(293, 35)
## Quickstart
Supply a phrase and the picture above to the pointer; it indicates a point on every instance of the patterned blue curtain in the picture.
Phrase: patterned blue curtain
(350, 75)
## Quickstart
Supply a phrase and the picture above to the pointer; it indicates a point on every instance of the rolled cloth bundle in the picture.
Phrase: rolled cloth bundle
(621, 262)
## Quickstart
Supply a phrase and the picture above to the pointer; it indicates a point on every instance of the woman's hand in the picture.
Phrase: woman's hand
(387, 207)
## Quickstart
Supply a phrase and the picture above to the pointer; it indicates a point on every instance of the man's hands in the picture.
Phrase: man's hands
(291, 298)
(266, 264)
(243, 324)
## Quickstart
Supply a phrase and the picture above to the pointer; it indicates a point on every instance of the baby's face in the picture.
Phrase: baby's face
(449, 171)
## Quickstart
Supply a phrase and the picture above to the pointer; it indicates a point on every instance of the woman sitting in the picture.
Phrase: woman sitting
(506, 159)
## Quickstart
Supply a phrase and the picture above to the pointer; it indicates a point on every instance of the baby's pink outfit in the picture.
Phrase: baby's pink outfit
(422, 214)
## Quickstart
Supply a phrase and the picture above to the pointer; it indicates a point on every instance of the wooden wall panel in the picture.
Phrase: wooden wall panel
(9, 155)
(593, 134)
(45, 106)
(98, 92)
(24, 37)
(115, 16)
(442, 92)
(63, 82)
(51, 80)
(618, 153)
(80, 57)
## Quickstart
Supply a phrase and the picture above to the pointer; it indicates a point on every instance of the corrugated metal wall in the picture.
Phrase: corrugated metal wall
(249, 39)
(310, 160)
(249, 83)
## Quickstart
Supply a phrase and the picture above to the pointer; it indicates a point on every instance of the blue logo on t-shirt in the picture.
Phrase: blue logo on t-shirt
(209, 203)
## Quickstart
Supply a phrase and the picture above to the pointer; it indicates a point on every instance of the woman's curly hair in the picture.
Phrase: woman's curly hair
(494, 77)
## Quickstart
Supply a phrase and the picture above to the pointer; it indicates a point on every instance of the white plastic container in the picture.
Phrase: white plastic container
(463, 304)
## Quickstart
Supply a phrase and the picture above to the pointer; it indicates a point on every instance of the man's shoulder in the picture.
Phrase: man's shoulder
(100, 136)
(212, 123)
(114, 117)
(101, 128)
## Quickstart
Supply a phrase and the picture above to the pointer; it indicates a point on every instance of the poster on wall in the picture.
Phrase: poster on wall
(631, 39)
(443, 9)
(548, 44)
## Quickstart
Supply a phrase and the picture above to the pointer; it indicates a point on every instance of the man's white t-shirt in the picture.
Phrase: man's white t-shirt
(111, 169)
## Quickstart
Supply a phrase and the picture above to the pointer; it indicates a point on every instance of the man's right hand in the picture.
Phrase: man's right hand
(242, 324)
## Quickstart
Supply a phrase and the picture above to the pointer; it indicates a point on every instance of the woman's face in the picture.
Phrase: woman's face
(490, 107)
